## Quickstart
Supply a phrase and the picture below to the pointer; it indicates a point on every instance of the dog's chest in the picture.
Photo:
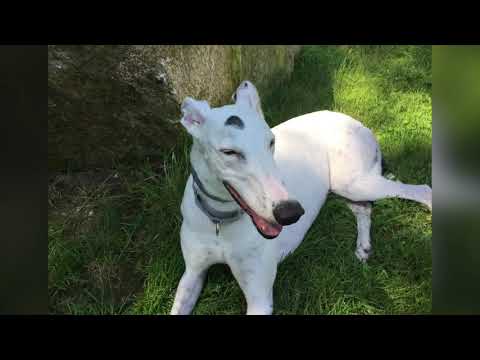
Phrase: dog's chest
(236, 243)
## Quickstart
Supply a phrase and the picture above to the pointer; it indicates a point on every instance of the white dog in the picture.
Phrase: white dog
(250, 183)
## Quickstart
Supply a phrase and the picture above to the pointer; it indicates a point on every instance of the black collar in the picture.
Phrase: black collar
(197, 181)
(216, 216)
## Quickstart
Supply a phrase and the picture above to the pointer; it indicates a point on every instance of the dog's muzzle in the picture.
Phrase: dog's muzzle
(288, 212)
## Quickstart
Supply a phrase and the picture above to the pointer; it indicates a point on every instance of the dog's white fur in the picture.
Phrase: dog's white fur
(313, 154)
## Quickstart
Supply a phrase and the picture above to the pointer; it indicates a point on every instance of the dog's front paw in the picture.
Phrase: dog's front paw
(362, 253)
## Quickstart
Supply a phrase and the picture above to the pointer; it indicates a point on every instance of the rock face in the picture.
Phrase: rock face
(119, 103)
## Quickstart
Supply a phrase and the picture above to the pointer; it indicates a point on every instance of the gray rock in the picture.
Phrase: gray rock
(119, 103)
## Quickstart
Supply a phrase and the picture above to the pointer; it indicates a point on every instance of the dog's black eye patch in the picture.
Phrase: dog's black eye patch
(235, 121)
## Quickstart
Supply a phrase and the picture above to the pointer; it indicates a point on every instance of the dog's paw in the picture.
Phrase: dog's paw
(362, 253)
(427, 197)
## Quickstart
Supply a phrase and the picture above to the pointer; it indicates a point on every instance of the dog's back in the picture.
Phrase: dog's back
(317, 153)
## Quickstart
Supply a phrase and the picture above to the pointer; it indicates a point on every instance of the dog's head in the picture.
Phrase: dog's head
(238, 147)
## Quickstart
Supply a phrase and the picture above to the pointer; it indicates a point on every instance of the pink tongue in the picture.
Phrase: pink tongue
(268, 229)
(265, 227)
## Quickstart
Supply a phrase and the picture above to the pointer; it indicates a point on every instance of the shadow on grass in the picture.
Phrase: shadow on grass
(310, 87)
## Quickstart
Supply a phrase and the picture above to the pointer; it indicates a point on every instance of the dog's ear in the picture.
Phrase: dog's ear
(194, 115)
(247, 94)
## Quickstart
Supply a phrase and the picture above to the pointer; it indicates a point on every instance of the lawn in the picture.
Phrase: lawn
(114, 236)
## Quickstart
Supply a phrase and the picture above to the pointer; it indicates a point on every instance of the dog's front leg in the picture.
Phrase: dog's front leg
(262, 305)
(256, 280)
(188, 291)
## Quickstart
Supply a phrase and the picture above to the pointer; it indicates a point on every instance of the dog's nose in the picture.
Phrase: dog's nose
(288, 212)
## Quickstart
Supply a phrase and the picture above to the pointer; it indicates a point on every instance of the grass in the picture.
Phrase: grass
(114, 245)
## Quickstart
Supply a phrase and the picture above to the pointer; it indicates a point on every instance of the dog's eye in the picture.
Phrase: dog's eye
(233, 153)
(230, 152)
(272, 143)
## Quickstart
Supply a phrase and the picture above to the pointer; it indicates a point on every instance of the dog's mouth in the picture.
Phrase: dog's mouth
(267, 229)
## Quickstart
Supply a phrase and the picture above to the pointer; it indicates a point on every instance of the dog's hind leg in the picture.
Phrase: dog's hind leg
(362, 212)
(356, 170)
(373, 187)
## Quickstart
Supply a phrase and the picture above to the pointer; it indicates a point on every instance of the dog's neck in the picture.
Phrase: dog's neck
(211, 184)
